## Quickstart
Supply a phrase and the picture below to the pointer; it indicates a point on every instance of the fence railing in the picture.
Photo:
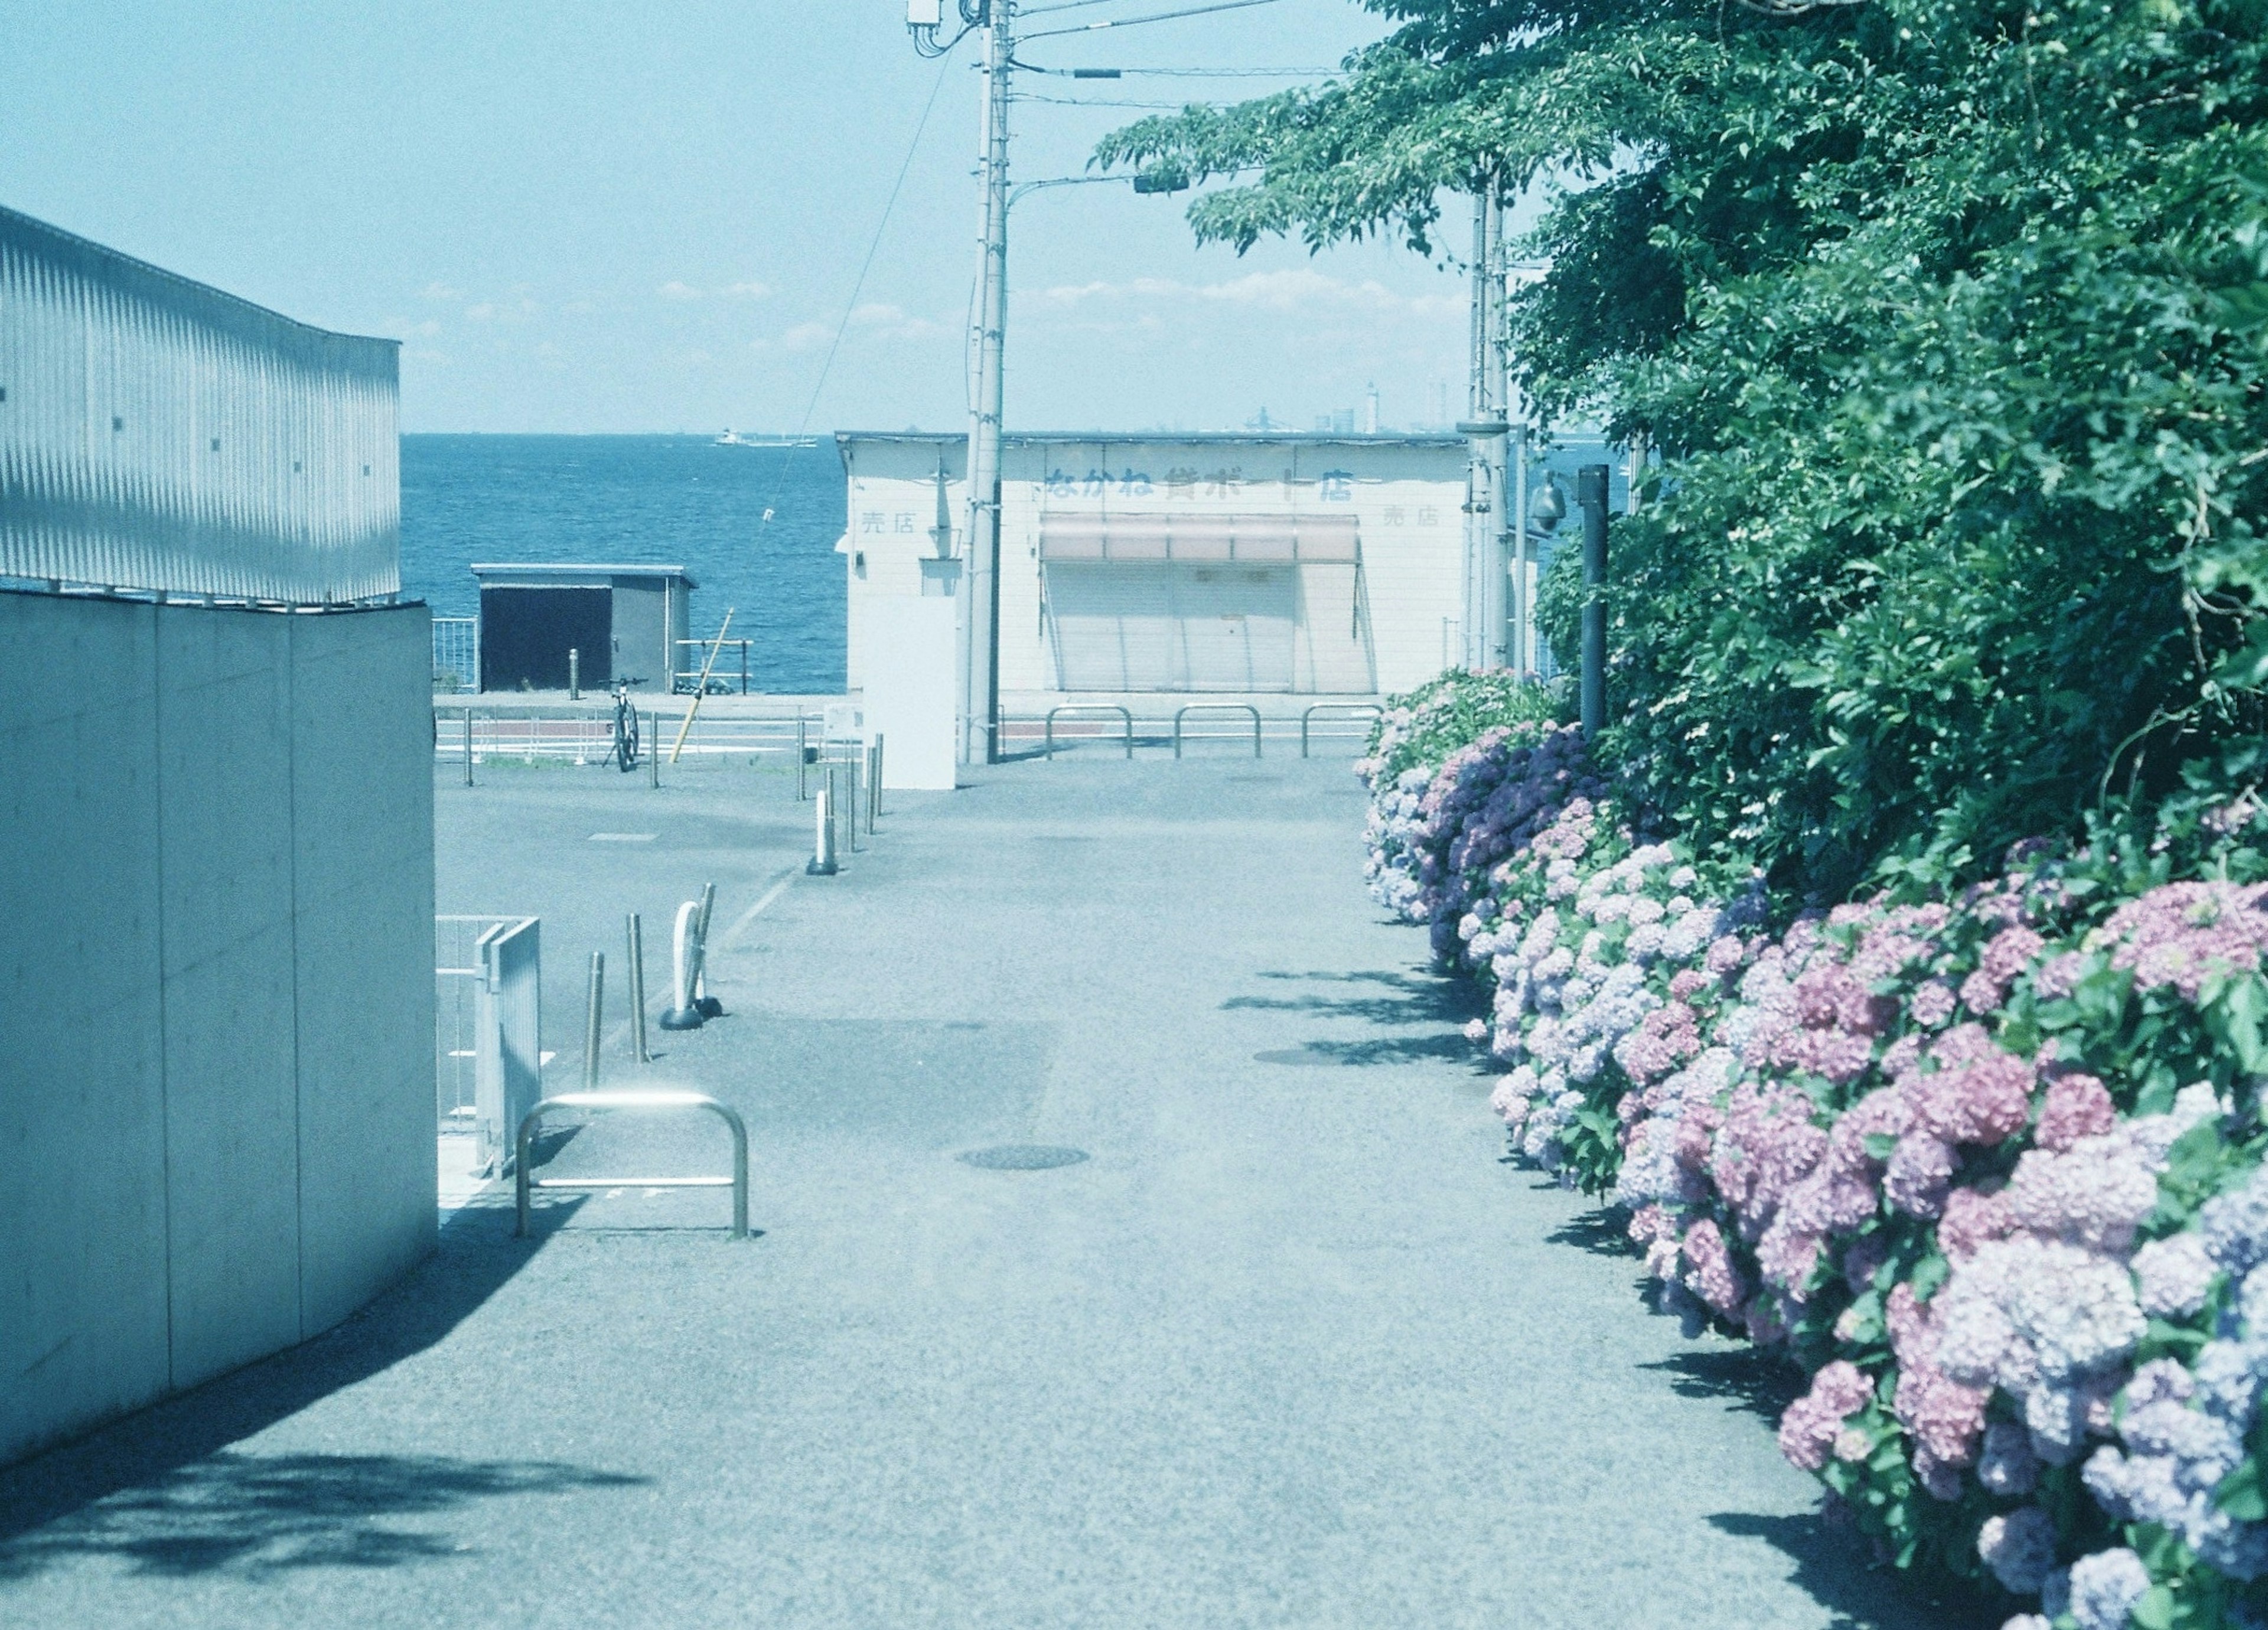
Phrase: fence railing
(1119, 731)
(456, 655)
(731, 660)
(585, 734)
(163, 436)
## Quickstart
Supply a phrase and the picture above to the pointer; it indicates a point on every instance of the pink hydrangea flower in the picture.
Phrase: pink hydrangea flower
(1710, 1274)
(1972, 1218)
(1931, 1004)
(2178, 934)
(1807, 1431)
(2076, 1106)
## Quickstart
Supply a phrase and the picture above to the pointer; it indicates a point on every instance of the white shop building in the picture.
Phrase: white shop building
(1244, 565)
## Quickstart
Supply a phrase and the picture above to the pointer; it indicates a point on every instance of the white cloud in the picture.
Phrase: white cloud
(873, 315)
(678, 290)
(501, 310)
(437, 290)
(1297, 289)
(807, 336)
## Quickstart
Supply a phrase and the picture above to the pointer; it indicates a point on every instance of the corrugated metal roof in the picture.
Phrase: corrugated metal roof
(572, 569)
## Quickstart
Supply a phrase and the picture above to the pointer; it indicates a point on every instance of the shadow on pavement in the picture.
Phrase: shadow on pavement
(1760, 1382)
(1831, 1563)
(159, 1489)
(1379, 1050)
(1411, 1000)
(1605, 1230)
(262, 1514)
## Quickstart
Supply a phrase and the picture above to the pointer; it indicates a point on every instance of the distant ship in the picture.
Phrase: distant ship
(733, 438)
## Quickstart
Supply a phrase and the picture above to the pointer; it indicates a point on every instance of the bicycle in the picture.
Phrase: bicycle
(626, 726)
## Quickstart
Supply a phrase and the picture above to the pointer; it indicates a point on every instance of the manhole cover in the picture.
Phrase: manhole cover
(1022, 1156)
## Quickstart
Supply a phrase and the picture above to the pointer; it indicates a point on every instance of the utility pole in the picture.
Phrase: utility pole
(1484, 429)
(1494, 565)
(980, 688)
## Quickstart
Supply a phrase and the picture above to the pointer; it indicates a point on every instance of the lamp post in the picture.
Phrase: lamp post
(1591, 497)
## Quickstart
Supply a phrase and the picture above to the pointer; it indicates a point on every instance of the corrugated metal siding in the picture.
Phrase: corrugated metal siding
(157, 434)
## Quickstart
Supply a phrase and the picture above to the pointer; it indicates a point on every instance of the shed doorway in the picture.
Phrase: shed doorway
(525, 634)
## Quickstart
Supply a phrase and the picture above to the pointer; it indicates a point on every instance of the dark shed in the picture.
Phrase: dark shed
(624, 621)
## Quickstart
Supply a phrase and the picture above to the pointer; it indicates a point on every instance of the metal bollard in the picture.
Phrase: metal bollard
(823, 852)
(469, 747)
(802, 751)
(592, 1025)
(878, 778)
(653, 750)
(873, 784)
(574, 674)
(637, 987)
(851, 800)
(709, 1006)
(683, 1014)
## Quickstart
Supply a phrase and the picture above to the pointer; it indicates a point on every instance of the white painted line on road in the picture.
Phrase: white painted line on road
(778, 887)
(621, 838)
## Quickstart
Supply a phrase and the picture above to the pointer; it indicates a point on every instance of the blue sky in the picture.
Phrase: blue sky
(609, 217)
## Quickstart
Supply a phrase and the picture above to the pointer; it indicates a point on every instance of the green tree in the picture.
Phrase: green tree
(1949, 322)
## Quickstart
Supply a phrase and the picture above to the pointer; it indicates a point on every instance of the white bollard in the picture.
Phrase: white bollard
(823, 853)
(683, 1014)
(707, 1005)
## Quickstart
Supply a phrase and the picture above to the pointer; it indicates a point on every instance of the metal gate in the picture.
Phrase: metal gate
(488, 1030)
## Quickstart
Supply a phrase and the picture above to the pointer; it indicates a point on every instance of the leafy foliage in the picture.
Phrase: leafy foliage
(1952, 324)
(1424, 726)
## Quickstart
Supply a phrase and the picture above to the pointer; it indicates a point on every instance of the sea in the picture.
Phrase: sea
(756, 527)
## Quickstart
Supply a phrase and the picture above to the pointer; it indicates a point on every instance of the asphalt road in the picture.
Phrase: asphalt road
(1291, 1347)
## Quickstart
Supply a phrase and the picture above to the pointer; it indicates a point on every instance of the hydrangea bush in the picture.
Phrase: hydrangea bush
(1987, 1165)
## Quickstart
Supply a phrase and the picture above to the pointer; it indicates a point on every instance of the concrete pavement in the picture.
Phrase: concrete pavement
(1292, 1347)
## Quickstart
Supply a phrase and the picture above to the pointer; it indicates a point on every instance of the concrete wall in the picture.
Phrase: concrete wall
(216, 1108)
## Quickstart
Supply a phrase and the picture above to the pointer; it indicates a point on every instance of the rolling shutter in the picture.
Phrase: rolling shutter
(1203, 602)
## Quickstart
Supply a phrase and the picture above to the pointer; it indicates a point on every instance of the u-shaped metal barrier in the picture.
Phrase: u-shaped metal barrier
(1335, 707)
(1217, 707)
(1086, 707)
(659, 1098)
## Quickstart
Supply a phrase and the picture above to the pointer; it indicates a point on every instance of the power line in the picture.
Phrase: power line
(1068, 101)
(1180, 73)
(1155, 16)
(858, 287)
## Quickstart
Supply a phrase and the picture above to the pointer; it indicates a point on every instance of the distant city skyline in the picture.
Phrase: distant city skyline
(626, 219)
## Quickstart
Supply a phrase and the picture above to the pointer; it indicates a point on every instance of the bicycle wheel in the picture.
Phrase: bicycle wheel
(626, 742)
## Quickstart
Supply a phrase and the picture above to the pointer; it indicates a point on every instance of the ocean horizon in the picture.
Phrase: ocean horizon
(643, 500)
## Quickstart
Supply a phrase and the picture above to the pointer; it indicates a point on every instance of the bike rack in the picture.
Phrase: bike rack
(1218, 707)
(1089, 707)
(1370, 708)
(656, 1099)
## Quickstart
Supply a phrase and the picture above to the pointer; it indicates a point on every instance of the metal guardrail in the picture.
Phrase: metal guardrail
(659, 1098)
(1217, 707)
(585, 734)
(1082, 707)
(1030, 734)
(1371, 708)
(687, 677)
